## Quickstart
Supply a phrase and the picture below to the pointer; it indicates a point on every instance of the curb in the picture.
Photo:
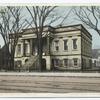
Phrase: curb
(85, 75)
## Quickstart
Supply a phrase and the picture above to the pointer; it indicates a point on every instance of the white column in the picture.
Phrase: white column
(21, 49)
(48, 63)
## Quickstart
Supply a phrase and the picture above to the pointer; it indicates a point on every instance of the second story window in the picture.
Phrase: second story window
(65, 45)
(74, 43)
(57, 45)
(19, 49)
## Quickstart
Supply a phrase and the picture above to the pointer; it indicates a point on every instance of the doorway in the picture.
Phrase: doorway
(43, 64)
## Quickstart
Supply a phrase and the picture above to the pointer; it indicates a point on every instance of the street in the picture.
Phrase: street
(48, 84)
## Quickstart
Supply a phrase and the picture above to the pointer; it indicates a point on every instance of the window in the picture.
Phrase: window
(74, 43)
(56, 62)
(75, 61)
(65, 45)
(57, 45)
(19, 49)
(65, 62)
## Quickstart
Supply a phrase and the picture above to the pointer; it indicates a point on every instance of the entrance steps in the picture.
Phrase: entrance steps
(30, 63)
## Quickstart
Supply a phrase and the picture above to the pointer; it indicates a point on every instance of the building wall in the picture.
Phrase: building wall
(69, 54)
(70, 36)
(86, 51)
(86, 46)
(86, 62)
(71, 65)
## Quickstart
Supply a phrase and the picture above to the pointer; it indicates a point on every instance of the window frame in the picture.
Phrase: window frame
(64, 60)
(56, 45)
(56, 62)
(74, 63)
(65, 44)
(75, 43)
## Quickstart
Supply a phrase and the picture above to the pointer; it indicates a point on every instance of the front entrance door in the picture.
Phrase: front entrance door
(43, 65)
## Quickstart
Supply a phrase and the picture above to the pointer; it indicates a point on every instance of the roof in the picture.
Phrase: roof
(77, 27)
(45, 29)
(54, 30)
(69, 27)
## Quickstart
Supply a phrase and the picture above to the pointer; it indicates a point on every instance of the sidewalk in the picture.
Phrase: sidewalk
(51, 74)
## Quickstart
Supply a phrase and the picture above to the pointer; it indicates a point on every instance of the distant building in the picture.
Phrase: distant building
(64, 48)
(96, 58)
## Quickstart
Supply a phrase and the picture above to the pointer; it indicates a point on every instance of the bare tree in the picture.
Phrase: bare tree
(11, 23)
(43, 16)
(90, 16)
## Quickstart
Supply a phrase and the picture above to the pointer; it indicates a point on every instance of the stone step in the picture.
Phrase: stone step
(30, 62)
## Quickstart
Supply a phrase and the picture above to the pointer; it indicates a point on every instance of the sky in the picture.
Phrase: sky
(70, 21)
(49, 2)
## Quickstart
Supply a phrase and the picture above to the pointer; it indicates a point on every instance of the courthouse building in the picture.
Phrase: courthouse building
(64, 48)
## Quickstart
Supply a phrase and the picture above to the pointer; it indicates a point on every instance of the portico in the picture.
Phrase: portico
(28, 48)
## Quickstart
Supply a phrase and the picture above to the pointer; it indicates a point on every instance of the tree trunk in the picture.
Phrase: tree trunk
(6, 57)
(40, 47)
(12, 63)
(12, 59)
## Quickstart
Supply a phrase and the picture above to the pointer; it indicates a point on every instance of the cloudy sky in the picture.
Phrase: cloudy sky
(71, 20)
